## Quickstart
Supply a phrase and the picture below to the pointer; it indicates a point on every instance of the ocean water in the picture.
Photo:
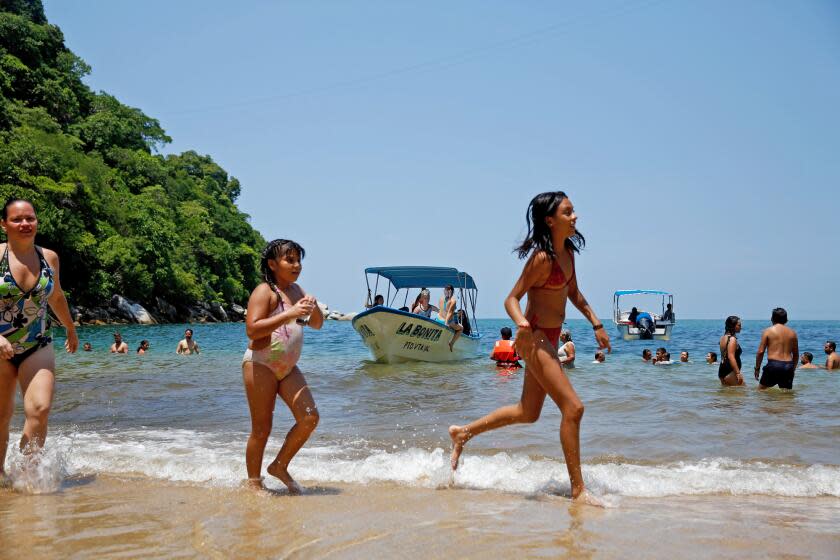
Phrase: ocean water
(648, 431)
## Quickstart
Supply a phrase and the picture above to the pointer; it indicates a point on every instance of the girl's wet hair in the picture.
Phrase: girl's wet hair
(731, 323)
(11, 201)
(539, 234)
(277, 248)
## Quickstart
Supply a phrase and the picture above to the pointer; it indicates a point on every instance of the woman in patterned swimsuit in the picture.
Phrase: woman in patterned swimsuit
(549, 280)
(274, 324)
(29, 285)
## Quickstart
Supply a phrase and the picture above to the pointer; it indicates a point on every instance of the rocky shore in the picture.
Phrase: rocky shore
(121, 310)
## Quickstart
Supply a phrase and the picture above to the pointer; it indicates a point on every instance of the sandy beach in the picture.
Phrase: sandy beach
(132, 517)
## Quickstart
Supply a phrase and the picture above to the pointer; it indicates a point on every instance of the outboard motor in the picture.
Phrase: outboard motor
(646, 326)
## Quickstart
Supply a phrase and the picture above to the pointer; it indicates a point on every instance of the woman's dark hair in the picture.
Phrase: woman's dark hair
(277, 248)
(539, 235)
(11, 201)
(713, 355)
(731, 323)
(143, 344)
(465, 321)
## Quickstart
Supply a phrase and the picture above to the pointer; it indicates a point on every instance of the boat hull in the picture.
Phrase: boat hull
(398, 336)
(629, 332)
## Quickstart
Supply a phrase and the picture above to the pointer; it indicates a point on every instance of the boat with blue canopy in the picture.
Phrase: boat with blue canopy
(653, 321)
(393, 333)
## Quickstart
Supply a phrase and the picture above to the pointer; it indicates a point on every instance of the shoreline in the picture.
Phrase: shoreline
(105, 516)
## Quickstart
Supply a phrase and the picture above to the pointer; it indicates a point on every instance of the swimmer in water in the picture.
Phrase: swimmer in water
(729, 371)
(188, 346)
(119, 346)
(30, 287)
(277, 312)
(807, 361)
(647, 357)
(600, 357)
(711, 358)
(144, 347)
(832, 360)
(549, 280)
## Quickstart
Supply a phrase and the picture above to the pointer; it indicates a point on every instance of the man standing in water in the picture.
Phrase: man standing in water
(833, 359)
(806, 361)
(782, 347)
(119, 346)
(188, 345)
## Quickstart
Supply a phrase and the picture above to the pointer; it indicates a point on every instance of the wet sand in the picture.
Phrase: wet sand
(125, 517)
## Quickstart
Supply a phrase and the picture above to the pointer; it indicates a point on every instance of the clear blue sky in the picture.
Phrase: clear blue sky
(699, 141)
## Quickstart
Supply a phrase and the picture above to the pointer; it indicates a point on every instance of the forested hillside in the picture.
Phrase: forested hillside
(123, 218)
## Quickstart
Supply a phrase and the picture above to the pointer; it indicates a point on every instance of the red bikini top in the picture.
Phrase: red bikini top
(557, 279)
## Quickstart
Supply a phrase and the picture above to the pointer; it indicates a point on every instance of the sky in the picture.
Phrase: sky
(698, 141)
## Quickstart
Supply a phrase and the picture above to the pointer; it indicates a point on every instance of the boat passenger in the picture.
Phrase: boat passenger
(729, 371)
(378, 299)
(446, 313)
(504, 351)
(668, 315)
(277, 311)
(548, 280)
(464, 321)
(634, 314)
(422, 306)
(30, 286)
(566, 351)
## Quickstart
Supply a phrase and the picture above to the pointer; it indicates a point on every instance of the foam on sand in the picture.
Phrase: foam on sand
(218, 460)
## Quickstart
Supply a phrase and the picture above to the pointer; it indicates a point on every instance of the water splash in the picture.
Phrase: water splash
(36, 471)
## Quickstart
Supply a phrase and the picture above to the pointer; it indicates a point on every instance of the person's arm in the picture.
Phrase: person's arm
(180, 348)
(113, 348)
(570, 352)
(730, 355)
(58, 303)
(759, 356)
(316, 318)
(577, 299)
(258, 321)
(196, 349)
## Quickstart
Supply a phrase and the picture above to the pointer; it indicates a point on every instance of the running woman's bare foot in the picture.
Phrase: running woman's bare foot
(587, 498)
(254, 483)
(274, 469)
(459, 436)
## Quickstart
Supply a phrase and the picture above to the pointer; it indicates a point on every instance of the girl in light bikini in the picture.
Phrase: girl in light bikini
(277, 312)
(549, 280)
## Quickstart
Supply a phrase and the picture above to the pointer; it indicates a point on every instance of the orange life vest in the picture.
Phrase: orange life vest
(503, 351)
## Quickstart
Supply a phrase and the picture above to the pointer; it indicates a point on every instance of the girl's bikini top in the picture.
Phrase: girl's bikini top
(557, 279)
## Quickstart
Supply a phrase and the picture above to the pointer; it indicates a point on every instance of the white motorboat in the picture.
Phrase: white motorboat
(397, 335)
(647, 325)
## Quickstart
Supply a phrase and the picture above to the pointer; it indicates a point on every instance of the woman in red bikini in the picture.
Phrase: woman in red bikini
(549, 280)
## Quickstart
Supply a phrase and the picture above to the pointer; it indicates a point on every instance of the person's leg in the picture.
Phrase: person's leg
(8, 382)
(553, 380)
(261, 390)
(37, 385)
(526, 411)
(458, 329)
(295, 393)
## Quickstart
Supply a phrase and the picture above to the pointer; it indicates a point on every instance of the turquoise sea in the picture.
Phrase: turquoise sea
(648, 431)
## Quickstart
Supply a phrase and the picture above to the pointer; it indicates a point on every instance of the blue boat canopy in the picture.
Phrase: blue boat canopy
(631, 292)
(423, 276)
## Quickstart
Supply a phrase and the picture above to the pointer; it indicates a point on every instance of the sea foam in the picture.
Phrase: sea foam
(218, 460)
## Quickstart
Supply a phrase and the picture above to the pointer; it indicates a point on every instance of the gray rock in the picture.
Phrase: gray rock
(165, 311)
(236, 312)
(218, 312)
(131, 311)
